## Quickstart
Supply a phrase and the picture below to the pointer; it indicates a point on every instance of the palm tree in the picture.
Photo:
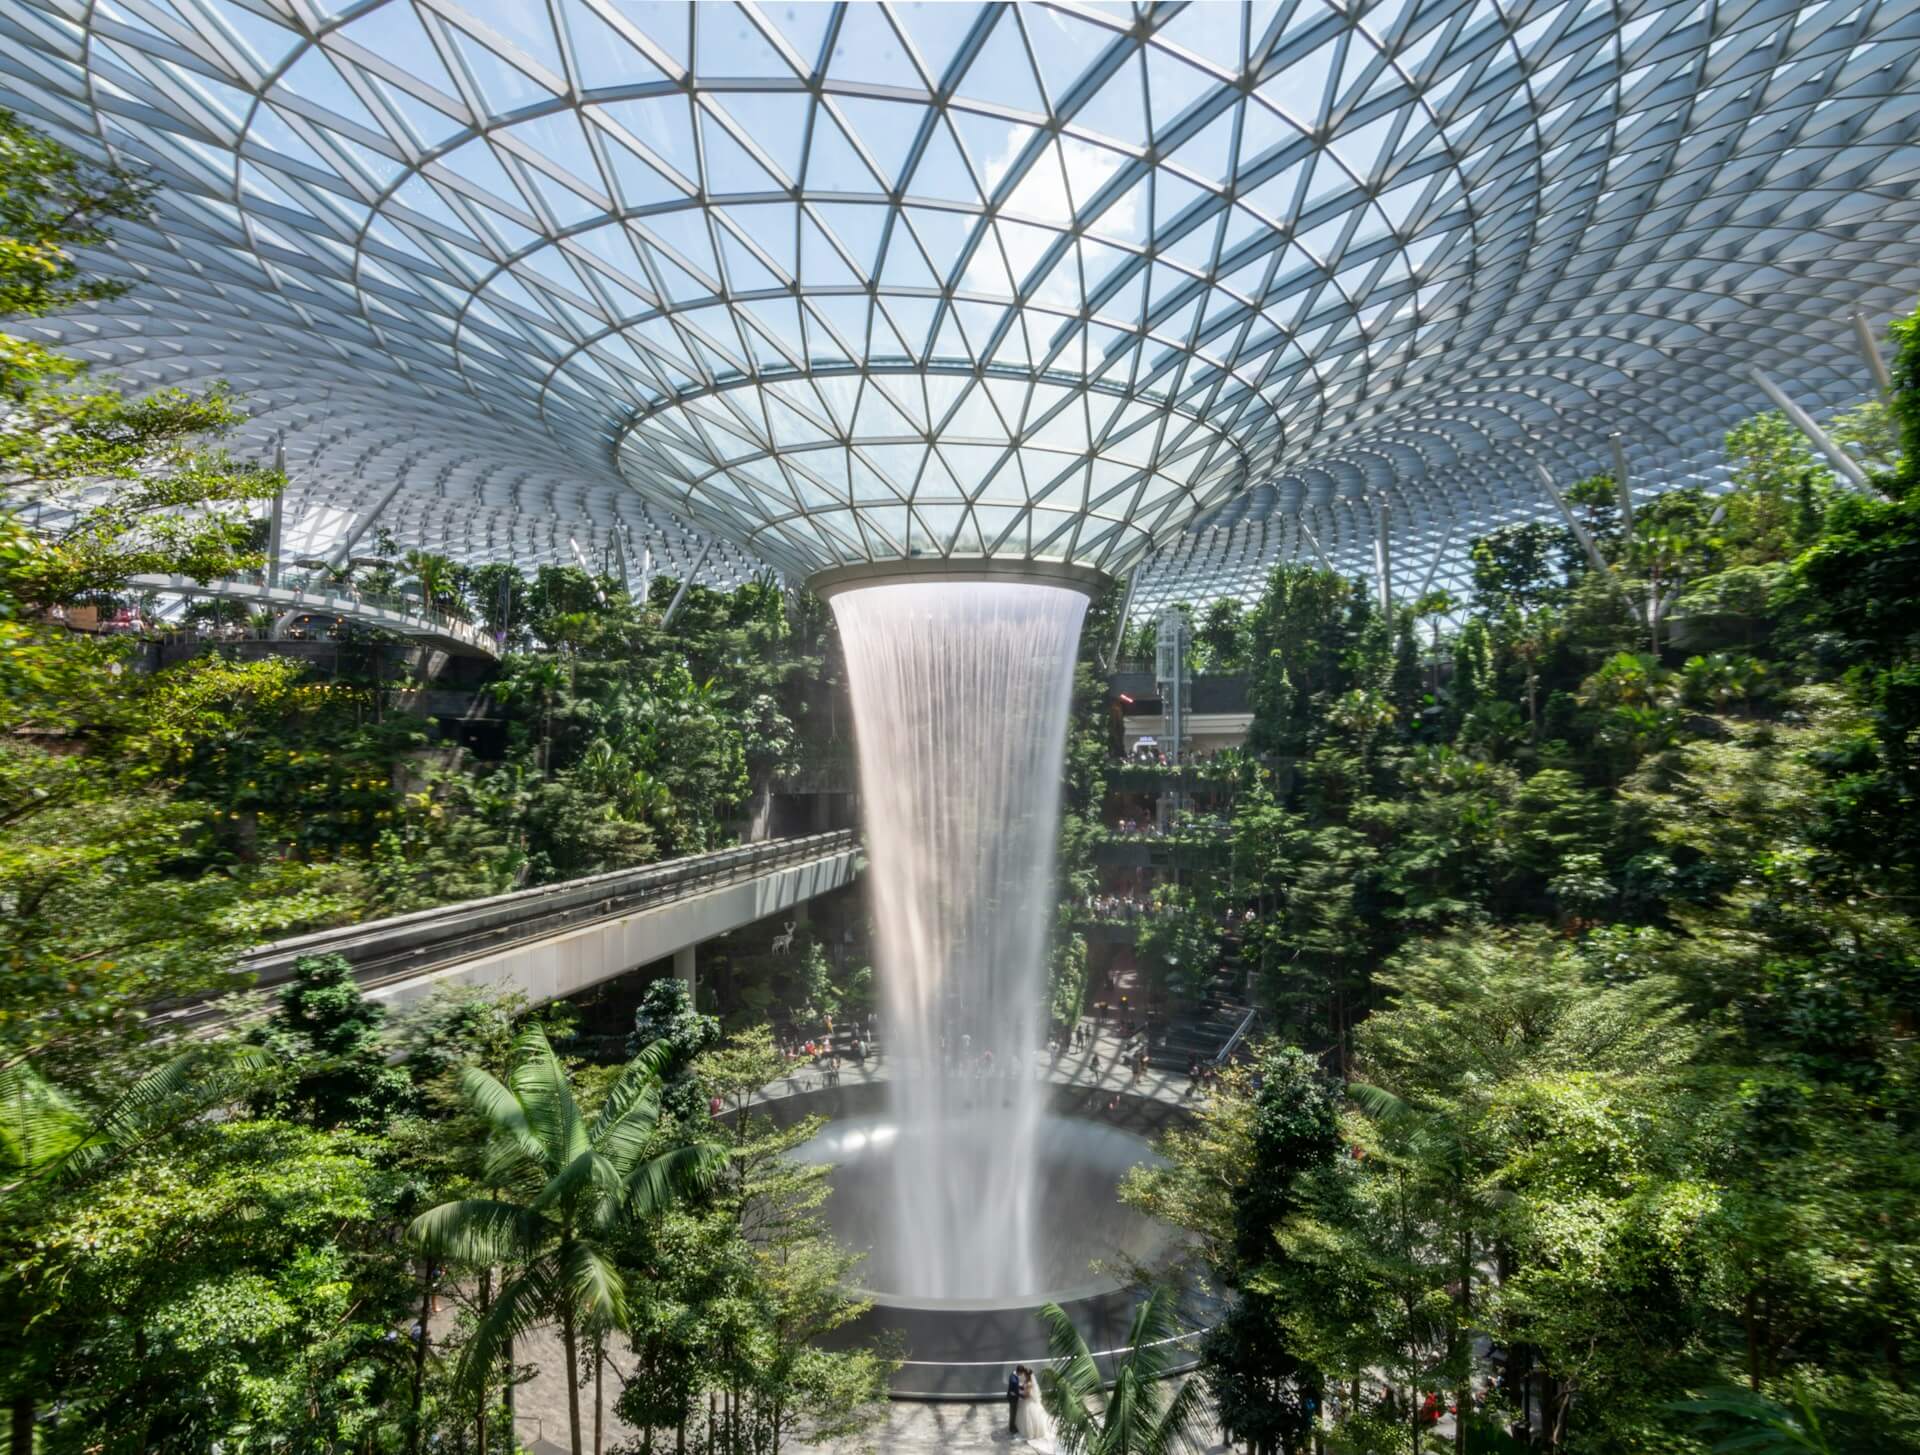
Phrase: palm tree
(1136, 1416)
(565, 1183)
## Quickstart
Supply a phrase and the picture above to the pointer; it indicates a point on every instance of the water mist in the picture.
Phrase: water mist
(960, 700)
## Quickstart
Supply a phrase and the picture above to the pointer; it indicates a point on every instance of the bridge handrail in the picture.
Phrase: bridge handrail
(1232, 1044)
(428, 938)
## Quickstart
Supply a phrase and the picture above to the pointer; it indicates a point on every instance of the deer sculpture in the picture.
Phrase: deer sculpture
(783, 944)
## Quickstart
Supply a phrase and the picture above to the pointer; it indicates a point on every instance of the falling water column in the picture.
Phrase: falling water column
(960, 698)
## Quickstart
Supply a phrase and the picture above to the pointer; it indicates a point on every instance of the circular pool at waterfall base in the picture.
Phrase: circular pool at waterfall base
(1086, 1246)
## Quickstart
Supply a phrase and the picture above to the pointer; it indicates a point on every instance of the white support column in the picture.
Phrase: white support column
(1870, 347)
(673, 607)
(1433, 566)
(1120, 627)
(1620, 484)
(1837, 457)
(339, 554)
(1580, 533)
(685, 970)
(1314, 541)
(277, 514)
(1383, 560)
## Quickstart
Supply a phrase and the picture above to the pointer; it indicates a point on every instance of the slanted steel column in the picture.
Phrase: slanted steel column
(1837, 457)
(620, 562)
(673, 606)
(1383, 560)
(1314, 541)
(338, 556)
(1620, 484)
(1580, 532)
(1433, 566)
(1870, 347)
(277, 513)
(1120, 627)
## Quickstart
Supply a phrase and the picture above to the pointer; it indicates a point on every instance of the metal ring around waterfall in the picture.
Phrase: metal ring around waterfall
(1088, 581)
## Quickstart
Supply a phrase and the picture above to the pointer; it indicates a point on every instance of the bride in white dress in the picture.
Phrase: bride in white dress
(1033, 1424)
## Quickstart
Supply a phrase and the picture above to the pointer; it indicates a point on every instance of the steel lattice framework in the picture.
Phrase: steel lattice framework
(1195, 286)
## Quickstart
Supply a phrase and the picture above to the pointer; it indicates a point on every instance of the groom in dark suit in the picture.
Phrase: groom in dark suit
(1013, 1402)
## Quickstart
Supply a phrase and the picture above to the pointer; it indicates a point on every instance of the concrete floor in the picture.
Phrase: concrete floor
(909, 1428)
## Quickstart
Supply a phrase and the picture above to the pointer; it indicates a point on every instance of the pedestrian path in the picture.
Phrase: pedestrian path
(1071, 1067)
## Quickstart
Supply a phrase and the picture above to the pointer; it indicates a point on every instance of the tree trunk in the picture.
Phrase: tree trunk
(512, 1430)
(420, 1352)
(569, 1344)
(599, 1402)
(486, 1384)
(1463, 1392)
(20, 1425)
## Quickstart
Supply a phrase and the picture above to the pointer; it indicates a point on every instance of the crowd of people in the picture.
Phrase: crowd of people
(1124, 907)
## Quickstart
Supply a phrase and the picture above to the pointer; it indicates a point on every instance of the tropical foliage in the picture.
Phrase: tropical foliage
(1592, 912)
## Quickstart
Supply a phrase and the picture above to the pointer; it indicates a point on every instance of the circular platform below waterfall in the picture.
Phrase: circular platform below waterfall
(961, 1347)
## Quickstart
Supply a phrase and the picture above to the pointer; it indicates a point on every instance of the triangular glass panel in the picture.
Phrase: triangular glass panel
(804, 29)
(847, 314)
(1025, 246)
(1299, 89)
(663, 125)
(1129, 218)
(1172, 195)
(905, 267)
(1208, 154)
(1211, 32)
(730, 44)
(1119, 108)
(639, 184)
(474, 162)
(602, 54)
(937, 31)
(1365, 148)
(887, 129)
(832, 163)
(1172, 86)
(821, 266)
(858, 226)
(943, 234)
(1042, 193)
(685, 231)
(730, 168)
(865, 46)
(504, 86)
(776, 121)
(951, 344)
(745, 272)
(771, 227)
(1000, 74)
(993, 145)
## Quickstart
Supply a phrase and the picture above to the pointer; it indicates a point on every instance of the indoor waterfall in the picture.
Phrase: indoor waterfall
(960, 699)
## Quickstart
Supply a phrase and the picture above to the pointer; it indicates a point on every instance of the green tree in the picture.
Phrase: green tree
(1138, 1413)
(1523, 568)
(566, 1184)
(328, 1036)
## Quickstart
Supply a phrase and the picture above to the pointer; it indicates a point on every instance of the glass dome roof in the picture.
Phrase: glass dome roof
(838, 283)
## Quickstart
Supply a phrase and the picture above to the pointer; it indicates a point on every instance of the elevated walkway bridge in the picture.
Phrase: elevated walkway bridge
(560, 939)
(395, 614)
